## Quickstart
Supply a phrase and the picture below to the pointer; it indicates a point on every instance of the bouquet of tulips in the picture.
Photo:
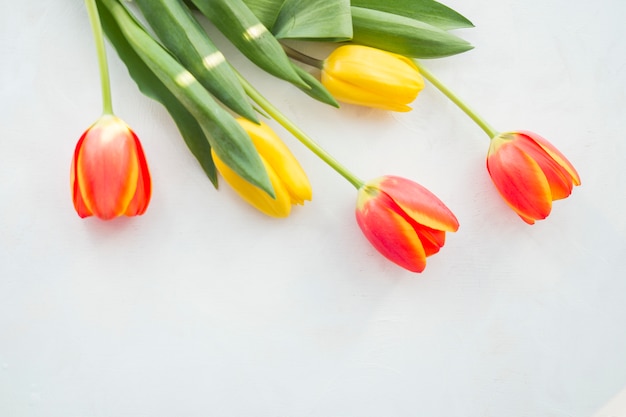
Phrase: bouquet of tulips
(376, 62)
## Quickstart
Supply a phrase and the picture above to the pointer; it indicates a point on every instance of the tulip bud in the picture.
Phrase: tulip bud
(372, 77)
(290, 183)
(403, 220)
(529, 173)
(109, 175)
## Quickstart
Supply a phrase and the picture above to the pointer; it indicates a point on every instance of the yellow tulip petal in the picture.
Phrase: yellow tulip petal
(280, 158)
(371, 77)
(352, 94)
(278, 207)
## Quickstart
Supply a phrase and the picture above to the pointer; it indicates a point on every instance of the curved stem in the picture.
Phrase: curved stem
(490, 131)
(305, 59)
(298, 133)
(96, 26)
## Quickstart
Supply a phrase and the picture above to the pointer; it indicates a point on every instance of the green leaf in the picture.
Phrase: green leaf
(237, 22)
(182, 35)
(265, 10)
(404, 35)
(316, 89)
(314, 20)
(231, 143)
(427, 11)
(152, 87)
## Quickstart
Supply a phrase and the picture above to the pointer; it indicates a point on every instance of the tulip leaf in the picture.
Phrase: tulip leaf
(427, 11)
(404, 35)
(226, 137)
(183, 36)
(316, 89)
(265, 10)
(244, 30)
(314, 19)
(305, 19)
(150, 85)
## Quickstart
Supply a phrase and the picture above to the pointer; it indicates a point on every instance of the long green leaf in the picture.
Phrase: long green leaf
(316, 90)
(152, 87)
(265, 10)
(183, 36)
(427, 11)
(404, 35)
(231, 143)
(237, 22)
(314, 20)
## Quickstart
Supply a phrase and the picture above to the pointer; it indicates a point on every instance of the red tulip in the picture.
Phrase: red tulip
(403, 220)
(530, 173)
(109, 175)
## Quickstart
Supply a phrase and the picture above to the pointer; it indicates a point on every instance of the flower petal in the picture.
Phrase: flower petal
(555, 154)
(380, 72)
(143, 192)
(389, 232)
(520, 181)
(419, 203)
(558, 177)
(77, 198)
(107, 169)
(353, 94)
(278, 207)
(280, 158)
(431, 239)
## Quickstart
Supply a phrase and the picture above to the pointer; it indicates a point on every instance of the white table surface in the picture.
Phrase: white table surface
(204, 307)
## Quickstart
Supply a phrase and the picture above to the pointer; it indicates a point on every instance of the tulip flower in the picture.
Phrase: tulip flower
(527, 170)
(404, 221)
(290, 183)
(371, 77)
(109, 175)
(529, 173)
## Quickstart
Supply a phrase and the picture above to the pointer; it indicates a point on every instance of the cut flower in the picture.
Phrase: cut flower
(372, 77)
(109, 175)
(290, 183)
(529, 173)
(403, 220)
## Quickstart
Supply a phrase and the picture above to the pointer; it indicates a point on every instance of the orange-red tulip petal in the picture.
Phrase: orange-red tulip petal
(404, 221)
(529, 173)
(109, 175)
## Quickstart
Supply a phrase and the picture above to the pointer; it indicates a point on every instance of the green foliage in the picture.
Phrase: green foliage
(231, 143)
(305, 19)
(237, 22)
(404, 35)
(150, 85)
(182, 35)
(314, 20)
(427, 11)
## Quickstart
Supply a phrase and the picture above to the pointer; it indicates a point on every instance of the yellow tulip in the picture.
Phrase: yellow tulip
(372, 77)
(290, 183)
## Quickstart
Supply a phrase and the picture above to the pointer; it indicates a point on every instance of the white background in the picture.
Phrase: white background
(204, 307)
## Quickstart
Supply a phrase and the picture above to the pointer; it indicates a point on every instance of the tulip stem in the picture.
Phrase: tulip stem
(305, 59)
(96, 26)
(277, 115)
(486, 127)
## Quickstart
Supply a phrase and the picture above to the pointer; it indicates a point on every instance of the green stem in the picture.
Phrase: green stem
(96, 26)
(490, 131)
(298, 133)
(305, 59)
